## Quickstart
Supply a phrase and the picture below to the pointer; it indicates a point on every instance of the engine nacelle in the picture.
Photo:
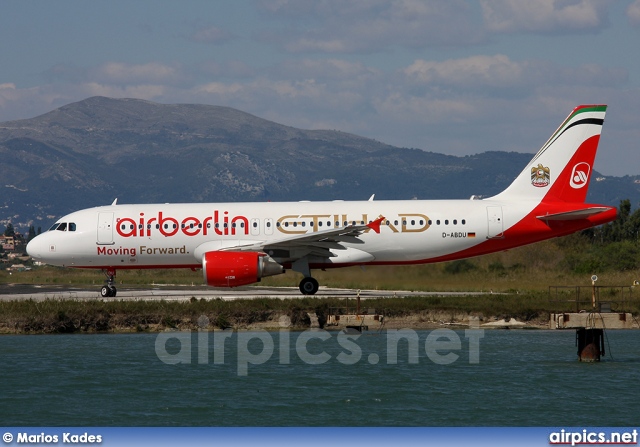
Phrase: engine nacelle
(237, 268)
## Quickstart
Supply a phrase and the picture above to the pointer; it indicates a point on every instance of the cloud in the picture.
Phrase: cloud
(633, 13)
(231, 69)
(474, 71)
(499, 75)
(333, 26)
(152, 72)
(211, 35)
(544, 16)
(333, 69)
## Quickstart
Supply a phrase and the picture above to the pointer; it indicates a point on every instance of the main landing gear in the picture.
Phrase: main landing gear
(109, 290)
(308, 285)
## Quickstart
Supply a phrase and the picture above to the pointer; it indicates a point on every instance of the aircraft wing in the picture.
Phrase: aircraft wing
(318, 243)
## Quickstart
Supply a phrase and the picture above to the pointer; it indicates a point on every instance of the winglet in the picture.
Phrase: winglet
(375, 225)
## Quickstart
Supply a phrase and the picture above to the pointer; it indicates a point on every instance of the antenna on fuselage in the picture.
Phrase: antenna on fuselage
(115, 202)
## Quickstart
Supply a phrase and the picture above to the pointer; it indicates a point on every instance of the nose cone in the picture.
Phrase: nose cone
(37, 247)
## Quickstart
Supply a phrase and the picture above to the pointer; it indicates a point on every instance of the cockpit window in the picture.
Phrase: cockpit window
(63, 226)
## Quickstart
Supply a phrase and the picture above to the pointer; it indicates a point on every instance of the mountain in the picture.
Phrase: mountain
(90, 152)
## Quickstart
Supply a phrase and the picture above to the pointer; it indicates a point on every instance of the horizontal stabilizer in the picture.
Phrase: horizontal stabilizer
(575, 215)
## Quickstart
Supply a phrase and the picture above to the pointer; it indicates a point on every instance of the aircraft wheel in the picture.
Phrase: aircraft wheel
(113, 291)
(309, 286)
(105, 292)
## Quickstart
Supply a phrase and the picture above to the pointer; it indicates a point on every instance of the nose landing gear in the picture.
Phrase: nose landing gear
(109, 290)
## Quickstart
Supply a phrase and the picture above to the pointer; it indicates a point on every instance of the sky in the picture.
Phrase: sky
(457, 77)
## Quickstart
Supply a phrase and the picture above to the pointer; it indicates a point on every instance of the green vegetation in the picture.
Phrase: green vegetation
(69, 316)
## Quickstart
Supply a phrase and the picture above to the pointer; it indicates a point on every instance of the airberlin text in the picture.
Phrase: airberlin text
(167, 226)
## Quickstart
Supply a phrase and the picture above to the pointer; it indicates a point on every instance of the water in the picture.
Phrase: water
(523, 378)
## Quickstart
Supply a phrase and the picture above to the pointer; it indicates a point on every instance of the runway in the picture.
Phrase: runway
(9, 292)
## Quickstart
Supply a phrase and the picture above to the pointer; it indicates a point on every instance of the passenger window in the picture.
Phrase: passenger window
(446, 222)
(268, 224)
(463, 222)
(455, 222)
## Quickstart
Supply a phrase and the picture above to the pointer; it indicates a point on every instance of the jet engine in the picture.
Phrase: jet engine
(237, 268)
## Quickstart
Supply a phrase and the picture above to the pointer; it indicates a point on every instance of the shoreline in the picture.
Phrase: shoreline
(144, 323)
(139, 313)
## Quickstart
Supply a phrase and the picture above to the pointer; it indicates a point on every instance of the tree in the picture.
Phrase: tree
(32, 233)
(9, 231)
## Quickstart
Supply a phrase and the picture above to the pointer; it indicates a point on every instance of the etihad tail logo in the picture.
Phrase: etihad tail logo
(540, 176)
(580, 175)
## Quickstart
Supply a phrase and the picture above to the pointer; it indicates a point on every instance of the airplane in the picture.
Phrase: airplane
(237, 244)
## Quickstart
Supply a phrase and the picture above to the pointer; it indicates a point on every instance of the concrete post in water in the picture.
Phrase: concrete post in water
(590, 344)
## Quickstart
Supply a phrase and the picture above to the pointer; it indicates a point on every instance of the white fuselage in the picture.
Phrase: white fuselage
(159, 235)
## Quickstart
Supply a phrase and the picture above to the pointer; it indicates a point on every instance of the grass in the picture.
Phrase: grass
(519, 278)
(525, 269)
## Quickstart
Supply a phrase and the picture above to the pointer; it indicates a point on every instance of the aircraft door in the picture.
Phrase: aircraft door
(494, 219)
(268, 226)
(105, 229)
(255, 227)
